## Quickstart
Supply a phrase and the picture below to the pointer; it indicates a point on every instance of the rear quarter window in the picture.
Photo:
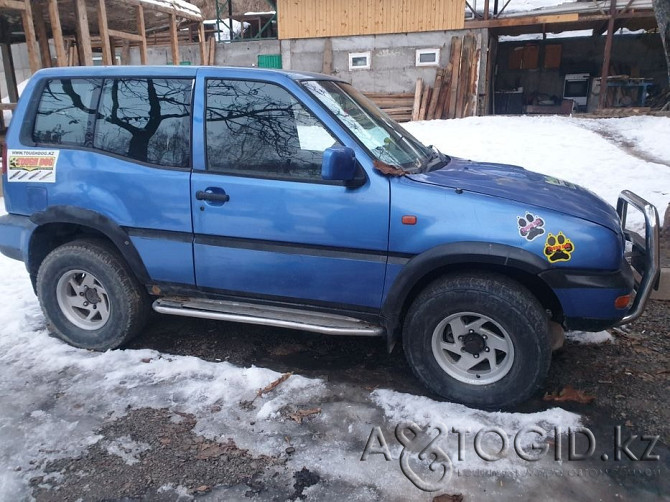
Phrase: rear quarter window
(66, 112)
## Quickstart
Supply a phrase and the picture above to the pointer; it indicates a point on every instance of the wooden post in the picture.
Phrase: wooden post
(455, 59)
(57, 31)
(174, 39)
(42, 37)
(486, 9)
(327, 66)
(416, 108)
(143, 33)
(606, 57)
(203, 50)
(83, 35)
(10, 73)
(104, 34)
(31, 39)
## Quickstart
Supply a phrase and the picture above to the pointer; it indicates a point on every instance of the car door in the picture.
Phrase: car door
(266, 224)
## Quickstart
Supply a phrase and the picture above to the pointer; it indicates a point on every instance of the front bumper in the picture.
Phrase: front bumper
(644, 256)
(588, 296)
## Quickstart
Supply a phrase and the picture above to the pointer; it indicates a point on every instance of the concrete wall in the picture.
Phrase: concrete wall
(636, 55)
(227, 54)
(393, 57)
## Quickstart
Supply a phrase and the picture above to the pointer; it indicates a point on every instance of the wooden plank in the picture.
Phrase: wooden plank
(31, 38)
(424, 101)
(141, 30)
(125, 35)
(104, 34)
(444, 93)
(57, 32)
(174, 40)
(471, 96)
(85, 54)
(521, 21)
(464, 75)
(203, 46)
(42, 37)
(437, 89)
(16, 5)
(455, 56)
(8, 106)
(212, 51)
(417, 99)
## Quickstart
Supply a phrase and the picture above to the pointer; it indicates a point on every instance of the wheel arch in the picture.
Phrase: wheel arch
(514, 263)
(58, 225)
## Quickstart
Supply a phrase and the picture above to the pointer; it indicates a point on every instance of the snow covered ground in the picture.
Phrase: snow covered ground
(54, 398)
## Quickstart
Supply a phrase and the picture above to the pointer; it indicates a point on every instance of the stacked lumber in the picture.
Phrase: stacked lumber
(454, 92)
(397, 106)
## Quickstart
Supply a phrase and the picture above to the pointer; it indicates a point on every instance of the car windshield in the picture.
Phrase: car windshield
(386, 141)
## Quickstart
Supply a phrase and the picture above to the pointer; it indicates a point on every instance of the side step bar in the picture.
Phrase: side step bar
(317, 322)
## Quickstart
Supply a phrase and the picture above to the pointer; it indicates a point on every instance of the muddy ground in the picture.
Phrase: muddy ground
(629, 378)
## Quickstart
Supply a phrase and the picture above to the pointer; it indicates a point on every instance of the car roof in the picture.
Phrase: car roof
(177, 71)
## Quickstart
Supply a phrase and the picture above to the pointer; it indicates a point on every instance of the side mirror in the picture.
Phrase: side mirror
(339, 164)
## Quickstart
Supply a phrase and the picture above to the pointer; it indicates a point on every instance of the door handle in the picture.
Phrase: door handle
(211, 196)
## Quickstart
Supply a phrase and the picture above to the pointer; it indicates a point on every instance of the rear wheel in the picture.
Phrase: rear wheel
(89, 296)
(481, 340)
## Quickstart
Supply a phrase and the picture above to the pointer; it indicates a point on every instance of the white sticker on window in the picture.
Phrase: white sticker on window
(32, 166)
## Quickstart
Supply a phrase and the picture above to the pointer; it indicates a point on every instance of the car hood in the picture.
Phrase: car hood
(520, 185)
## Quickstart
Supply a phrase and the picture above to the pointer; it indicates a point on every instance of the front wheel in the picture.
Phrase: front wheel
(481, 340)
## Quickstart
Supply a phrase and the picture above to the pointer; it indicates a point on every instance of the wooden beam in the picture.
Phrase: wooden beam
(83, 34)
(31, 39)
(174, 39)
(125, 36)
(16, 5)
(57, 32)
(522, 21)
(10, 72)
(8, 106)
(606, 57)
(165, 10)
(103, 28)
(203, 50)
(42, 37)
(141, 29)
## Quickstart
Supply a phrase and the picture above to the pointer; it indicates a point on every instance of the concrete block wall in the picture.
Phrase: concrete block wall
(393, 58)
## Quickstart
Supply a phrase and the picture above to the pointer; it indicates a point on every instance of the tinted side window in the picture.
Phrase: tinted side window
(259, 129)
(148, 120)
(66, 112)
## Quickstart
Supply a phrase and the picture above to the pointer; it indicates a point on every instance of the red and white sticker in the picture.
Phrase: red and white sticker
(32, 166)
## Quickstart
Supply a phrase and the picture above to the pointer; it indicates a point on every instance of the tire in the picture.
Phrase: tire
(90, 297)
(481, 340)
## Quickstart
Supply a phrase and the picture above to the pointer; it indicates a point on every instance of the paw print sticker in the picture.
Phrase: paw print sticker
(530, 226)
(558, 248)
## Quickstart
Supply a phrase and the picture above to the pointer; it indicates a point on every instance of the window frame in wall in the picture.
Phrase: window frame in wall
(356, 55)
(420, 52)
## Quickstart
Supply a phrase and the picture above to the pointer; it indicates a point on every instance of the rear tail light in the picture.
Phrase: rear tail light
(4, 158)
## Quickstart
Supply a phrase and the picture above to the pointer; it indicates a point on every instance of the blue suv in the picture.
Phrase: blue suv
(288, 199)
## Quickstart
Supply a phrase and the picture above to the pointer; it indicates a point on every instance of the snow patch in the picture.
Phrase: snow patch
(587, 338)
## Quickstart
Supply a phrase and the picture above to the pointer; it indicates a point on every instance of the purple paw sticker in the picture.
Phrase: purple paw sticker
(530, 226)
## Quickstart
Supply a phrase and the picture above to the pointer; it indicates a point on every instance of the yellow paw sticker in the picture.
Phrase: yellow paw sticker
(558, 248)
